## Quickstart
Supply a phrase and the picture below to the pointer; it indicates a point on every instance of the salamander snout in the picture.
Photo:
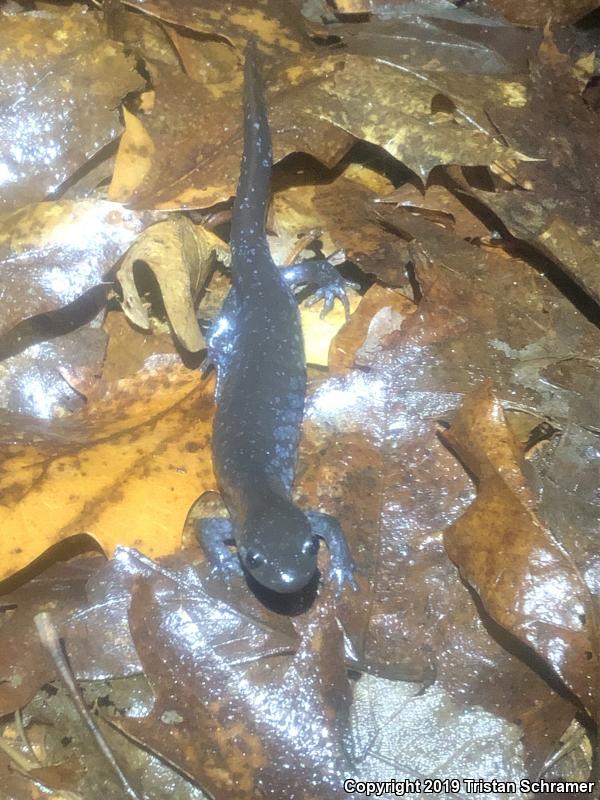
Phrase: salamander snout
(280, 551)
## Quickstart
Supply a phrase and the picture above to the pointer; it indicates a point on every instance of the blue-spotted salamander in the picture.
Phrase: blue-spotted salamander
(257, 348)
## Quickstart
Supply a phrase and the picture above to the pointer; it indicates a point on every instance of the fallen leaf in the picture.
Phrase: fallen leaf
(52, 377)
(58, 107)
(126, 470)
(162, 163)
(525, 579)
(279, 27)
(540, 12)
(180, 256)
(232, 732)
(394, 109)
(558, 214)
(53, 253)
(339, 210)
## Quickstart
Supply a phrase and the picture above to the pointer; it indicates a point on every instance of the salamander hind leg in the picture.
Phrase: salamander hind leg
(324, 275)
(214, 533)
(342, 566)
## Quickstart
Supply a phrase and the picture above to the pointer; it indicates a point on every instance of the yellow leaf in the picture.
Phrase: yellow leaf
(126, 472)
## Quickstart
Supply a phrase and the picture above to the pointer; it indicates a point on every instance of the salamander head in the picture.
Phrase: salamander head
(279, 549)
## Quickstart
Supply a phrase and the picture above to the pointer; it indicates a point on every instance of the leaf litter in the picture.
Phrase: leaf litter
(452, 429)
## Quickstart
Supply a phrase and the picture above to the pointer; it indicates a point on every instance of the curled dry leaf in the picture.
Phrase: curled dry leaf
(53, 253)
(126, 470)
(59, 109)
(525, 579)
(180, 255)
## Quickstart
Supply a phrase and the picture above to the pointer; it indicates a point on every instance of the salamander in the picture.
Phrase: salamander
(257, 348)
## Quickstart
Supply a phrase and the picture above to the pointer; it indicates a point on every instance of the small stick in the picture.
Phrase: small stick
(49, 638)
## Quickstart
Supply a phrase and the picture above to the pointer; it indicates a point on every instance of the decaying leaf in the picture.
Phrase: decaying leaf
(540, 12)
(127, 470)
(280, 26)
(48, 378)
(58, 108)
(525, 579)
(180, 255)
(395, 109)
(487, 315)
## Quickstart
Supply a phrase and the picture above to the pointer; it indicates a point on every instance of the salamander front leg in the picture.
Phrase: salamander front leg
(342, 567)
(214, 534)
(324, 275)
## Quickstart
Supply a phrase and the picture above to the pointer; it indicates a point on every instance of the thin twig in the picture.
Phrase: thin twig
(49, 638)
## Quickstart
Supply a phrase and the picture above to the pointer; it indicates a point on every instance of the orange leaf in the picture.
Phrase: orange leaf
(126, 472)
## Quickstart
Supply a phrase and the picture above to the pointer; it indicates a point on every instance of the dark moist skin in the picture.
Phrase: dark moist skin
(257, 347)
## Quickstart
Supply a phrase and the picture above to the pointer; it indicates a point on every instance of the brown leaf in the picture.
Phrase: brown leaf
(441, 206)
(221, 724)
(24, 662)
(63, 81)
(340, 213)
(371, 456)
(163, 163)
(53, 376)
(279, 26)
(485, 315)
(394, 109)
(558, 214)
(525, 579)
(539, 12)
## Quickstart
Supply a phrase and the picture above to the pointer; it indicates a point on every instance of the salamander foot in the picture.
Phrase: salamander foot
(342, 567)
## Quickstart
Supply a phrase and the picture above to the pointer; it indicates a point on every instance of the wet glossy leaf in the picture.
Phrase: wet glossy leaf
(127, 470)
(51, 377)
(340, 212)
(53, 253)
(279, 26)
(525, 579)
(24, 662)
(373, 458)
(433, 35)
(559, 213)
(540, 12)
(58, 108)
(486, 315)
(223, 725)
(163, 163)
(396, 109)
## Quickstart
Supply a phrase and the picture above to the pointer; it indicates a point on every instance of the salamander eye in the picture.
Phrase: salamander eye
(254, 559)
(311, 548)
